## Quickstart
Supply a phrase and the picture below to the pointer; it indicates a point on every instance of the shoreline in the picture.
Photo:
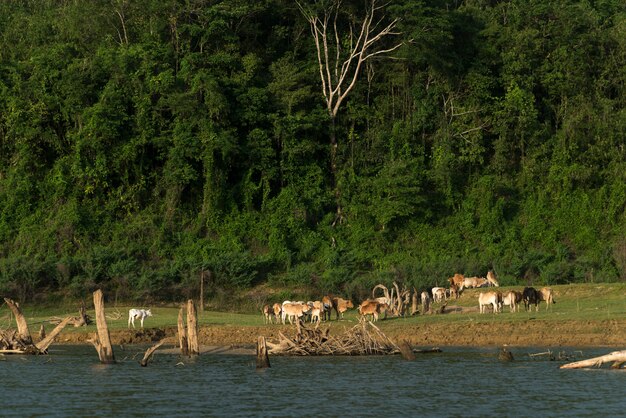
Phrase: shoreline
(540, 333)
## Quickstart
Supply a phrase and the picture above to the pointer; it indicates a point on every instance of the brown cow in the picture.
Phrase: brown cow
(267, 314)
(327, 301)
(341, 305)
(491, 278)
(278, 309)
(457, 280)
(372, 307)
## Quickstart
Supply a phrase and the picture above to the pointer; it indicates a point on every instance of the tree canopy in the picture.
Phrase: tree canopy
(143, 142)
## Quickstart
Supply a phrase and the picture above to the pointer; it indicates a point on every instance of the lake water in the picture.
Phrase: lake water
(459, 382)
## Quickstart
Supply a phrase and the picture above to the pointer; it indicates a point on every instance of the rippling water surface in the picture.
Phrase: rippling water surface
(459, 382)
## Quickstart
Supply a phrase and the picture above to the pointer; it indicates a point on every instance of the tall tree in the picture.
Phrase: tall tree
(342, 52)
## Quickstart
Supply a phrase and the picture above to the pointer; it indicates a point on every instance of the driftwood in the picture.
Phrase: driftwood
(77, 321)
(20, 341)
(102, 340)
(148, 355)
(45, 343)
(364, 338)
(618, 358)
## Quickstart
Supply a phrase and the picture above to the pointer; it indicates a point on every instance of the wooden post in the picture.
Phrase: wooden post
(406, 351)
(182, 334)
(192, 328)
(262, 357)
(102, 342)
(23, 332)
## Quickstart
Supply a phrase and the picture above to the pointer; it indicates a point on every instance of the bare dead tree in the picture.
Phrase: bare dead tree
(342, 56)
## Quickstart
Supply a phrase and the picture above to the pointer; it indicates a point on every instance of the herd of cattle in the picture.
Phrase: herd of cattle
(492, 300)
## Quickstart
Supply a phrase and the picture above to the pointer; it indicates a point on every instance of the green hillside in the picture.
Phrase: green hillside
(144, 142)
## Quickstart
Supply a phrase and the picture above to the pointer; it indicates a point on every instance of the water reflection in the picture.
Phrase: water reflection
(458, 382)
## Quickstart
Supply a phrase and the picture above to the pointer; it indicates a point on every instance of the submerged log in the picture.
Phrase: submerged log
(102, 340)
(262, 357)
(148, 355)
(618, 358)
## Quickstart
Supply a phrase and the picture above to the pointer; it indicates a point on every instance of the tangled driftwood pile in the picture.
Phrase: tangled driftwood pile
(19, 341)
(362, 339)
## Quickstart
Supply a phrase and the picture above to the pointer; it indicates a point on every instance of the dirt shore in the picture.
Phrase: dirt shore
(607, 333)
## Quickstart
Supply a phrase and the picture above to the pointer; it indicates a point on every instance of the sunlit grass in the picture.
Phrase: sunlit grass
(580, 302)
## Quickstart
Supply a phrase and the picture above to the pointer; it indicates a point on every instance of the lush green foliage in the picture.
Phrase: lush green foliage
(142, 142)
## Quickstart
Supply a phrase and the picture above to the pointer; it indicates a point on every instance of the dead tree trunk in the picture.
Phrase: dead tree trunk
(83, 319)
(102, 341)
(618, 358)
(192, 328)
(414, 302)
(45, 342)
(23, 333)
(262, 357)
(148, 355)
(182, 334)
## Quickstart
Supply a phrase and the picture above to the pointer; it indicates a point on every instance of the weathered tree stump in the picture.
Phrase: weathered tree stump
(182, 334)
(262, 356)
(20, 341)
(192, 328)
(406, 351)
(23, 333)
(102, 340)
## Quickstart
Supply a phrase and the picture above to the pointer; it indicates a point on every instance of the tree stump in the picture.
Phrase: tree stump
(406, 351)
(23, 333)
(182, 334)
(102, 340)
(262, 357)
(192, 328)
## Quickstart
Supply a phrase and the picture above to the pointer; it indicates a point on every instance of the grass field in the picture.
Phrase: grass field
(576, 302)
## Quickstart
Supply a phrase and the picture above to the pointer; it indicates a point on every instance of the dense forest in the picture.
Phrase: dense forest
(145, 141)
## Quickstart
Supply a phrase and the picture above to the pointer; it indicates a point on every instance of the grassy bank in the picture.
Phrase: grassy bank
(594, 314)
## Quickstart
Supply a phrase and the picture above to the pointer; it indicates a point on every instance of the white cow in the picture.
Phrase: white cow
(137, 314)
(489, 298)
